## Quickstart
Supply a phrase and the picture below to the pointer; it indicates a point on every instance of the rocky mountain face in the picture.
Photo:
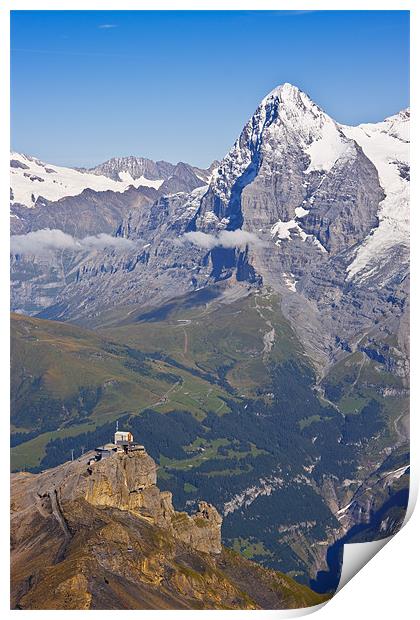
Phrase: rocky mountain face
(300, 204)
(135, 166)
(92, 212)
(80, 203)
(141, 167)
(84, 202)
(102, 535)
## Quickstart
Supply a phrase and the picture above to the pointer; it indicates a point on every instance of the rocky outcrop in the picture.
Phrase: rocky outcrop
(128, 482)
(135, 166)
(202, 531)
(107, 538)
(176, 177)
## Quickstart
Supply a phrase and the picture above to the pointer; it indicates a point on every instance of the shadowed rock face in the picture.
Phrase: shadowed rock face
(105, 537)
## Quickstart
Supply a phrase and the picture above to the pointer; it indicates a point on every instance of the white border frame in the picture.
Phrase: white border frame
(394, 571)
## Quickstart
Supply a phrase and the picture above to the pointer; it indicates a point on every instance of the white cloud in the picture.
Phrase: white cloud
(107, 26)
(203, 240)
(238, 238)
(226, 239)
(49, 240)
(41, 241)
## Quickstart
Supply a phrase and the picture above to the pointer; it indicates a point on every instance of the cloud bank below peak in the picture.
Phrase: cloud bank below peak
(225, 239)
(47, 240)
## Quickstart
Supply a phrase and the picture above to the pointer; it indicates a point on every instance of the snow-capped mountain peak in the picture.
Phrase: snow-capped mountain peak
(300, 204)
(290, 142)
(286, 118)
(136, 167)
(31, 178)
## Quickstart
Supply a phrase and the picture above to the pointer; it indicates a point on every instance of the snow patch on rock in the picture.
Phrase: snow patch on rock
(290, 281)
(280, 231)
(327, 149)
(301, 212)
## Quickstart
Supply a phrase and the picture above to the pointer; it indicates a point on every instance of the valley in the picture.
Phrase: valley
(246, 428)
(248, 322)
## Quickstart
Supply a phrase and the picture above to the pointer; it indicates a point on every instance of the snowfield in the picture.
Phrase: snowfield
(387, 145)
(31, 178)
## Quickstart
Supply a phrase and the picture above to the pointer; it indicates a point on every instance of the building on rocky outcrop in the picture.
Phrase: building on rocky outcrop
(123, 443)
(105, 451)
(110, 539)
(126, 479)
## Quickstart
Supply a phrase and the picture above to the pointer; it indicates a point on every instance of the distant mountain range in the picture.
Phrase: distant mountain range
(314, 209)
(34, 183)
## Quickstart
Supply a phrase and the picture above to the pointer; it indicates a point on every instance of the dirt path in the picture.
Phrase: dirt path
(56, 510)
(185, 341)
(269, 336)
(321, 394)
(356, 381)
(402, 426)
(164, 396)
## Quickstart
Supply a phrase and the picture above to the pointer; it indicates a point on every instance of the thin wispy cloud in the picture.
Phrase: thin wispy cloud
(41, 242)
(225, 239)
(107, 26)
(285, 13)
(69, 53)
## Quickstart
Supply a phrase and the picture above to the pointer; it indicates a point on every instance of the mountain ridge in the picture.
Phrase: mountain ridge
(116, 542)
(302, 208)
(253, 324)
(35, 182)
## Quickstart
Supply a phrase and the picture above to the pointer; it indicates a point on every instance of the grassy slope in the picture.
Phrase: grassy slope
(192, 358)
(216, 337)
(212, 351)
(66, 380)
(357, 380)
(220, 351)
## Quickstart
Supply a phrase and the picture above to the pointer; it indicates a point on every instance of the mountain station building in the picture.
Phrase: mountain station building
(123, 443)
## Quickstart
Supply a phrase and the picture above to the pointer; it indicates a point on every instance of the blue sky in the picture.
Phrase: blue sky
(179, 86)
